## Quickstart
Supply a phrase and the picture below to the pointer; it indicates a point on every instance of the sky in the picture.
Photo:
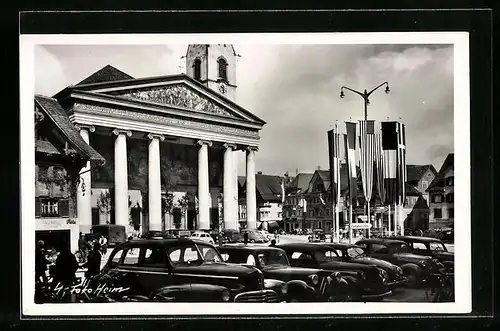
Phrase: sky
(295, 90)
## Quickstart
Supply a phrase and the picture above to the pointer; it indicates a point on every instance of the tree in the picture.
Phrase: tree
(104, 204)
(183, 204)
(167, 206)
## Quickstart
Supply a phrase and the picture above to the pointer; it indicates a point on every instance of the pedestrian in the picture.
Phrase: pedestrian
(103, 243)
(94, 262)
(65, 268)
(245, 237)
(273, 243)
(83, 247)
(41, 262)
(220, 239)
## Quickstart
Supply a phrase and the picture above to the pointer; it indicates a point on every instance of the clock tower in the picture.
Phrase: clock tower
(214, 66)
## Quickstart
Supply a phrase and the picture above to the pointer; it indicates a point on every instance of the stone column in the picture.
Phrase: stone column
(251, 194)
(204, 201)
(121, 178)
(236, 191)
(228, 189)
(154, 181)
(83, 198)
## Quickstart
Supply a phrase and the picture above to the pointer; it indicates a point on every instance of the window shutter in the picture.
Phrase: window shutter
(38, 207)
(63, 206)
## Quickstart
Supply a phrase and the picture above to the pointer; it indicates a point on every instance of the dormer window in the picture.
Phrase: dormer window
(222, 68)
(197, 69)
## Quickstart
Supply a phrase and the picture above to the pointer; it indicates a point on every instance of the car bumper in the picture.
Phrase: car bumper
(397, 283)
(375, 296)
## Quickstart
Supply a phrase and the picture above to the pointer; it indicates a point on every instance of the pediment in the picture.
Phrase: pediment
(177, 95)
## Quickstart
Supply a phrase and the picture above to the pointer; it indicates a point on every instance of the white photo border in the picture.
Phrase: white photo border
(463, 289)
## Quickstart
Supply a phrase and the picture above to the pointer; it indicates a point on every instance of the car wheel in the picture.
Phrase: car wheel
(412, 281)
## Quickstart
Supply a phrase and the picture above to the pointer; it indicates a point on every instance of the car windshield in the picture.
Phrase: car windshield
(437, 246)
(326, 255)
(273, 258)
(209, 254)
(353, 252)
(193, 255)
(399, 248)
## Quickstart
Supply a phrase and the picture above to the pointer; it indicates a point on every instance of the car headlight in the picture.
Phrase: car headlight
(226, 295)
(362, 275)
(314, 279)
(384, 275)
(334, 276)
(284, 288)
(422, 264)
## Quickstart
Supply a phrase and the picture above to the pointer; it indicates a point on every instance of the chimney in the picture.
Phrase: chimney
(318, 168)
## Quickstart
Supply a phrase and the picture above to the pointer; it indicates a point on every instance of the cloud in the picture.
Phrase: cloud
(299, 98)
(295, 89)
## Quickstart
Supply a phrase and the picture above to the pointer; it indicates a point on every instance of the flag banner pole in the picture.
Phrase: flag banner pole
(350, 223)
(369, 220)
(390, 154)
(389, 220)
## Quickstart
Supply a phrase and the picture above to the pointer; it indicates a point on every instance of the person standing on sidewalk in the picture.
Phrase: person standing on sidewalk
(103, 243)
(83, 247)
(94, 262)
(41, 262)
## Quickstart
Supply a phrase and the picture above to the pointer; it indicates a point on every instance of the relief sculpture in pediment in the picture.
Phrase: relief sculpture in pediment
(180, 96)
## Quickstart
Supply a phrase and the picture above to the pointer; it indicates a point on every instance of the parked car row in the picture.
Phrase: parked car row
(192, 269)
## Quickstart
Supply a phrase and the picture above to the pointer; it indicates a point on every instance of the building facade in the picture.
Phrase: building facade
(295, 205)
(170, 144)
(268, 190)
(60, 156)
(441, 192)
(311, 207)
(420, 177)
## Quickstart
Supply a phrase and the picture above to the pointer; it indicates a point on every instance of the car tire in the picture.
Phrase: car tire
(412, 280)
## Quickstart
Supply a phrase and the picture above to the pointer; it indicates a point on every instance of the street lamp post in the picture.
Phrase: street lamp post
(365, 95)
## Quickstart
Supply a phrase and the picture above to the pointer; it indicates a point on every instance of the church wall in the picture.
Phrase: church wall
(214, 52)
(196, 51)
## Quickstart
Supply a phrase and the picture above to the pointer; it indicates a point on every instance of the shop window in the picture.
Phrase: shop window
(43, 172)
(425, 184)
(438, 198)
(449, 181)
(451, 212)
(438, 213)
(49, 207)
(450, 198)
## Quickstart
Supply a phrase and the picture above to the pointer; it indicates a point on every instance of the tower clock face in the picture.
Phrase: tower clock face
(222, 88)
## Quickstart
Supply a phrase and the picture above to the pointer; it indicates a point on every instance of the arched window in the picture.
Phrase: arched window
(222, 68)
(197, 69)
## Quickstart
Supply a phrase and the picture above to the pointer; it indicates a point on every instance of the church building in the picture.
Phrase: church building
(170, 144)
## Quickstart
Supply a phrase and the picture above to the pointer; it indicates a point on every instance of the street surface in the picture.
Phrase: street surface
(398, 295)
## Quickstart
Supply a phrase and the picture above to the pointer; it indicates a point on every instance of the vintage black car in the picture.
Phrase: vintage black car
(303, 284)
(369, 281)
(430, 247)
(417, 268)
(181, 270)
(354, 253)
(317, 236)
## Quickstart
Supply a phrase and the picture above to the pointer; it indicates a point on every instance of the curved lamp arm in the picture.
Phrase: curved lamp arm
(376, 88)
(350, 89)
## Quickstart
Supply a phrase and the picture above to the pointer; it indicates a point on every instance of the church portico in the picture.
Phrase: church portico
(170, 138)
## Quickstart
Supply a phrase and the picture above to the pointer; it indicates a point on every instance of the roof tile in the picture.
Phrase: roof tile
(52, 108)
